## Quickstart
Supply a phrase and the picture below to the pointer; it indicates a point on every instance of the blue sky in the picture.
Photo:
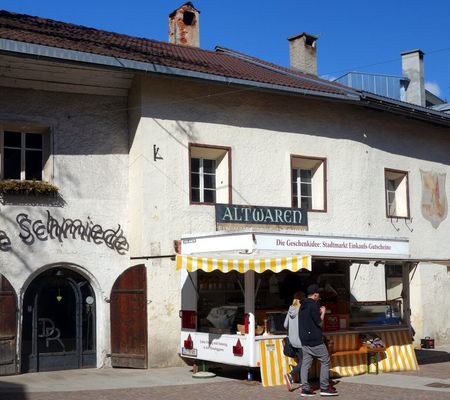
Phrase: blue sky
(354, 35)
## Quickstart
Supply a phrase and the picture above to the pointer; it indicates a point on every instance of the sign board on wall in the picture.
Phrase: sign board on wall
(259, 215)
(306, 244)
(335, 245)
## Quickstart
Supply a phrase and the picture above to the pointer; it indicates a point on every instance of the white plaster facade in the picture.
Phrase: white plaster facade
(103, 162)
(263, 130)
(89, 164)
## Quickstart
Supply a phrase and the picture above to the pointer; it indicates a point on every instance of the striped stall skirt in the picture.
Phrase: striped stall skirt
(399, 356)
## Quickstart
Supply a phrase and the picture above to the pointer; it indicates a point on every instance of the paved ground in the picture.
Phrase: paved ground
(229, 390)
(431, 382)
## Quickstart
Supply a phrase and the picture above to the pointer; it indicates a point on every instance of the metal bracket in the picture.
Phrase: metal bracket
(392, 223)
(406, 223)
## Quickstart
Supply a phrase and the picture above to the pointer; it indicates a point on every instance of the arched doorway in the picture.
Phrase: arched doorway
(58, 328)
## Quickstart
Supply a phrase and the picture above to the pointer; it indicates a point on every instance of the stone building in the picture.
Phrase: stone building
(142, 138)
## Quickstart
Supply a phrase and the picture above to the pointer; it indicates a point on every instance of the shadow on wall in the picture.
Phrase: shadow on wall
(191, 102)
(5, 241)
(9, 223)
(12, 391)
(31, 200)
(81, 124)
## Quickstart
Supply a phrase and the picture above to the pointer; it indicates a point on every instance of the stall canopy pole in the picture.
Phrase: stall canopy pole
(250, 292)
(193, 285)
(406, 294)
(356, 275)
(250, 310)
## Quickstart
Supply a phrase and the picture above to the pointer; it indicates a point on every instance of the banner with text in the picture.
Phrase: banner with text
(333, 245)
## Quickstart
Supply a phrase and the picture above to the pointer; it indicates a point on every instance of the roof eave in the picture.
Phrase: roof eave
(400, 107)
(368, 99)
(37, 50)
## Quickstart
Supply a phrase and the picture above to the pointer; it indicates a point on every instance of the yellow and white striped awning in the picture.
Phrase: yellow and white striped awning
(259, 265)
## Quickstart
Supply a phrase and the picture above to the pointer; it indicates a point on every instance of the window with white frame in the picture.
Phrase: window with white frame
(210, 174)
(308, 183)
(397, 197)
(24, 153)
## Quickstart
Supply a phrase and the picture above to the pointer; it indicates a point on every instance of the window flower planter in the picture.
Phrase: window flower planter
(27, 188)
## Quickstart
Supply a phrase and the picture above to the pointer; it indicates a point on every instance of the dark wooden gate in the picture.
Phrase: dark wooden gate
(129, 319)
(8, 328)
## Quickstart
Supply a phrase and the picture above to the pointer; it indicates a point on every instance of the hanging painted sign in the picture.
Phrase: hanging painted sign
(434, 197)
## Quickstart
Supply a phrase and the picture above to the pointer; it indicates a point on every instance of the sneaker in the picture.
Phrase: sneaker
(307, 393)
(331, 391)
(288, 381)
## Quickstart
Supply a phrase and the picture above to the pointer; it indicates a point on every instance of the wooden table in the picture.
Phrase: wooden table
(373, 357)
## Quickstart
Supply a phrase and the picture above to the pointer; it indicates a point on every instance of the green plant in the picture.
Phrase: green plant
(27, 187)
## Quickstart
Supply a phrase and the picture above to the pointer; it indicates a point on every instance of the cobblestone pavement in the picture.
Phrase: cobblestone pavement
(433, 364)
(230, 391)
(431, 382)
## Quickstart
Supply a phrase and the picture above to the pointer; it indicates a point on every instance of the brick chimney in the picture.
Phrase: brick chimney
(303, 52)
(184, 25)
(412, 68)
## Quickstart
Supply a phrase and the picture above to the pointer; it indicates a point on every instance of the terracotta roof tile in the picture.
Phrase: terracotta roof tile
(223, 62)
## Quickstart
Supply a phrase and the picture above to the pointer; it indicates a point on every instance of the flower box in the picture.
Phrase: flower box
(27, 188)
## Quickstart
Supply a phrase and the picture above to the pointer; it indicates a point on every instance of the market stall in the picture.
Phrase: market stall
(236, 288)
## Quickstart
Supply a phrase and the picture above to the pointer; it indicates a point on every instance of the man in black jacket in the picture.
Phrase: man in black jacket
(310, 329)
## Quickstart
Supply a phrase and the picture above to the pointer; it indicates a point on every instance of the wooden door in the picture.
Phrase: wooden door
(129, 319)
(8, 328)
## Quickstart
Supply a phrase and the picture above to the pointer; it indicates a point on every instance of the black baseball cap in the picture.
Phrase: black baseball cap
(314, 288)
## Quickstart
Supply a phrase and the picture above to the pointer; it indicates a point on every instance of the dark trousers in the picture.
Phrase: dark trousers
(298, 358)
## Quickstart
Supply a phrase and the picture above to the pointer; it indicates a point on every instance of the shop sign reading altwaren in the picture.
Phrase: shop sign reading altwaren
(259, 215)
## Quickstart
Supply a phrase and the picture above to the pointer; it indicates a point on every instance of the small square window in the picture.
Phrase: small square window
(308, 183)
(24, 154)
(396, 193)
(210, 174)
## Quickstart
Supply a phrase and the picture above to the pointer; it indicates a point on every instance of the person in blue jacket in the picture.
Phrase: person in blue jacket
(291, 324)
(310, 328)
